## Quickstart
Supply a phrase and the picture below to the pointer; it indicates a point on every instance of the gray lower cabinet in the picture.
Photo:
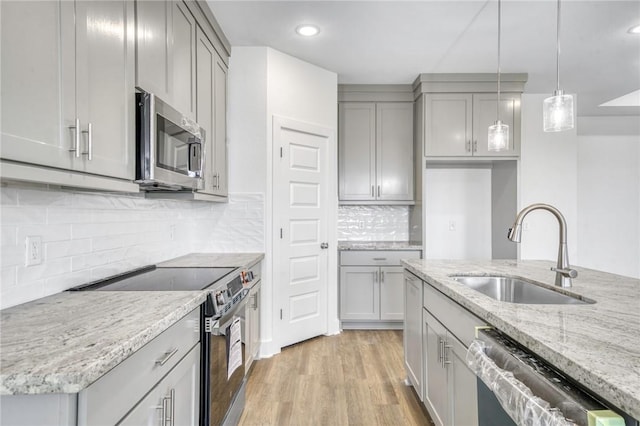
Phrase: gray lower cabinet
(372, 288)
(252, 327)
(412, 335)
(375, 156)
(174, 400)
(449, 387)
(69, 102)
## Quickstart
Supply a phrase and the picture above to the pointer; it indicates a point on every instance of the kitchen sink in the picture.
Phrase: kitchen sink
(517, 290)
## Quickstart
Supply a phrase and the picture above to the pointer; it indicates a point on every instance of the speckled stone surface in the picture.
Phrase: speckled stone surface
(65, 342)
(217, 260)
(378, 245)
(597, 345)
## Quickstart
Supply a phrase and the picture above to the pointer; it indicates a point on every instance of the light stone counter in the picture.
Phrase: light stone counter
(214, 260)
(378, 245)
(597, 345)
(65, 342)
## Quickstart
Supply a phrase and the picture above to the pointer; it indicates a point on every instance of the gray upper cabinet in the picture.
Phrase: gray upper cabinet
(376, 152)
(68, 103)
(211, 79)
(457, 124)
(166, 53)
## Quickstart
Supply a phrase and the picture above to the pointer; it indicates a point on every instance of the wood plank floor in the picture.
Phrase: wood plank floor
(354, 378)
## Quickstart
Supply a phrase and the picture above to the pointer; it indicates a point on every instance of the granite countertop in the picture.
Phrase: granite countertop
(216, 260)
(595, 344)
(65, 342)
(378, 245)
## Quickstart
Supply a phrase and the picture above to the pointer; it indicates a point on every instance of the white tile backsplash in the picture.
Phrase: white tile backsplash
(88, 236)
(373, 223)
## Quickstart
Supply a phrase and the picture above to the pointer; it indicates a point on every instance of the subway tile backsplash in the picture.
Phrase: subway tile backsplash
(373, 223)
(88, 236)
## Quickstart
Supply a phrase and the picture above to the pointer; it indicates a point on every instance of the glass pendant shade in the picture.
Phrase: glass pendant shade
(498, 136)
(557, 112)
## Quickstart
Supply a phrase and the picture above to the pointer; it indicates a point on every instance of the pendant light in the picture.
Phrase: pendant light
(498, 139)
(557, 111)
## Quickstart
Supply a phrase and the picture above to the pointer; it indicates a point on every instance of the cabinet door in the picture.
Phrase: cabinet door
(485, 115)
(394, 151)
(38, 82)
(177, 396)
(392, 293)
(435, 390)
(356, 145)
(359, 293)
(206, 63)
(153, 26)
(412, 335)
(183, 60)
(220, 127)
(463, 396)
(448, 124)
(105, 67)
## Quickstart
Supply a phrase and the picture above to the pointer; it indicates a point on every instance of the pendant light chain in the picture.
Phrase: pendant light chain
(558, 48)
(499, 31)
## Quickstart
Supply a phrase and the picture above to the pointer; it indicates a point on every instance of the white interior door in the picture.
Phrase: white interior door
(300, 229)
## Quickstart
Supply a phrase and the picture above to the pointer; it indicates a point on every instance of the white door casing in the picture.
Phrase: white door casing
(300, 201)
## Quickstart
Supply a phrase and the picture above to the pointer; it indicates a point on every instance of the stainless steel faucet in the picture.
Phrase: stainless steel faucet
(564, 273)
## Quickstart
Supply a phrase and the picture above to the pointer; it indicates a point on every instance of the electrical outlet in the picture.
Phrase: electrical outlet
(34, 250)
(172, 232)
(361, 224)
(452, 225)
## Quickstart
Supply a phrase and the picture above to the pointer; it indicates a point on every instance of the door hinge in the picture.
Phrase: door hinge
(280, 313)
(280, 233)
(280, 152)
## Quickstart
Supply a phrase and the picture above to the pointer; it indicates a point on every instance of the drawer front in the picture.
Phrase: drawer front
(108, 399)
(376, 257)
(454, 317)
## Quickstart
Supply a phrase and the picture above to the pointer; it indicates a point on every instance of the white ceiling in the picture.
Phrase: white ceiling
(391, 42)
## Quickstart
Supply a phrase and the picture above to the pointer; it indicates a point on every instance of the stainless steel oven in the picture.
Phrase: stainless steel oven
(169, 146)
(223, 354)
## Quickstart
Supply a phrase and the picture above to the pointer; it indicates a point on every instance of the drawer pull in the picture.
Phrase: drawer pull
(379, 258)
(167, 357)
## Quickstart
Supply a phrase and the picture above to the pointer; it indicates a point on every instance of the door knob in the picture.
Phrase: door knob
(324, 245)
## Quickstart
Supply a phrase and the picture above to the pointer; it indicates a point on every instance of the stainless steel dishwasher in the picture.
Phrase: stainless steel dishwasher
(517, 388)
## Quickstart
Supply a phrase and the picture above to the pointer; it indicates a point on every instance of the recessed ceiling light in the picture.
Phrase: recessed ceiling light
(307, 30)
(634, 30)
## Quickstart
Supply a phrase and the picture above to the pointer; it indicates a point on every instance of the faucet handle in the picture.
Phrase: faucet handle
(566, 272)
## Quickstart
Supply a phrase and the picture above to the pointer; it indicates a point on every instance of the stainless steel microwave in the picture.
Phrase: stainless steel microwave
(169, 146)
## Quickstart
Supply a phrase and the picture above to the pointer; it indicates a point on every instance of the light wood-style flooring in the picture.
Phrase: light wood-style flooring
(354, 378)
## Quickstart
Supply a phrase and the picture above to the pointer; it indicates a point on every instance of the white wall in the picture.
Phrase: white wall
(609, 203)
(458, 198)
(548, 174)
(89, 236)
(264, 83)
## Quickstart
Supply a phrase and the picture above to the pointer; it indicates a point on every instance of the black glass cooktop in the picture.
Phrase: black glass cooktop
(159, 279)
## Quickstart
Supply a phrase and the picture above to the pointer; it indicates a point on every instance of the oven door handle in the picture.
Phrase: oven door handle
(219, 326)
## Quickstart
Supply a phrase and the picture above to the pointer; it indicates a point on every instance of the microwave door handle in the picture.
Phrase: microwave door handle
(195, 158)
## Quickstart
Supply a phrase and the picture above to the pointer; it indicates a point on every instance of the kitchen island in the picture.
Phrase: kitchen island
(597, 345)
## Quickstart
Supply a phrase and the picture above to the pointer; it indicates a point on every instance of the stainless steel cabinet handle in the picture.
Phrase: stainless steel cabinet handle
(381, 276)
(468, 146)
(89, 133)
(168, 408)
(166, 357)
(379, 258)
(378, 190)
(76, 138)
(377, 278)
(445, 358)
(475, 146)
(440, 351)
(373, 193)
